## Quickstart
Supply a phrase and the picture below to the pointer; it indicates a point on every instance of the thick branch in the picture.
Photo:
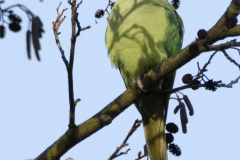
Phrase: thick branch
(217, 32)
(89, 127)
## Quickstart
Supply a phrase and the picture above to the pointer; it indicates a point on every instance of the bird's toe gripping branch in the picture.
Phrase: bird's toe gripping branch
(138, 83)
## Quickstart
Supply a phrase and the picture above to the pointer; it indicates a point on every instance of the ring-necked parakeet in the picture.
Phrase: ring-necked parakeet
(140, 35)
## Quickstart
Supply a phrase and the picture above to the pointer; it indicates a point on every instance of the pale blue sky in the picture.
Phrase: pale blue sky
(34, 96)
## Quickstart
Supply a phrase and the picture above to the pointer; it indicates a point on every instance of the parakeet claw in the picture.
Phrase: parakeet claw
(138, 83)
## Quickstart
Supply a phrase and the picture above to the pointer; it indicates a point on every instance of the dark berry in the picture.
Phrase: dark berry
(172, 127)
(15, 27)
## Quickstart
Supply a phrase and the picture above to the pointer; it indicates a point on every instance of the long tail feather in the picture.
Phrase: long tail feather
(155, 138)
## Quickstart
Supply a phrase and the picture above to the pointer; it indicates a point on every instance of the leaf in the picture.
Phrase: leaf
(28, 39)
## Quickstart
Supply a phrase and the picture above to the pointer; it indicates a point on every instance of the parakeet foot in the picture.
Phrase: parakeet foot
(138, 83)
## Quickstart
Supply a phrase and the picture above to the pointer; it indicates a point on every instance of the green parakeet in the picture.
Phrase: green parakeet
(140, 35)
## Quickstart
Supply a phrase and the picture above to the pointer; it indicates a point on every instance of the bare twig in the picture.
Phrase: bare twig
(140, 156)
(136, 124)
(109, 3)
(230, 59)
(177, 96)
(204, 69)
(79, 26)
(56, 26)
(115, 154)
(74, 7)
(85, 28)
(22, 7)
(218, 84)
(70, 2)
(230, 85)
(70, 66)
(227, 45)
(236, 49)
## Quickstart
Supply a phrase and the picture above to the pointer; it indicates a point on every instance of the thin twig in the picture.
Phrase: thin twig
(218, 84)
(181, 93)
(109, 3)
(230, 85)
(78, 26)
(136, 124)
(70, 2)
(115, 154)
(230, 59)
(204, 69)
(79, 3)
(56, 26)
(70, 66)
(220, 47)
(22, 7)
(140, 156)
(177, 96)
(174, 98)
(75, 23)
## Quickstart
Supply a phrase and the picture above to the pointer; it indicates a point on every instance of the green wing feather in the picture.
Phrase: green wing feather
(140, 35)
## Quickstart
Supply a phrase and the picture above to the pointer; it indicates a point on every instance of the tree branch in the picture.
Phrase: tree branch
(56, 26)
(70, 66)
(230, 59)
(116, 153)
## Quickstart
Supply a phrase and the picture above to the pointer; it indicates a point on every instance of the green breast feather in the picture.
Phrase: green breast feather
(140, 34)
